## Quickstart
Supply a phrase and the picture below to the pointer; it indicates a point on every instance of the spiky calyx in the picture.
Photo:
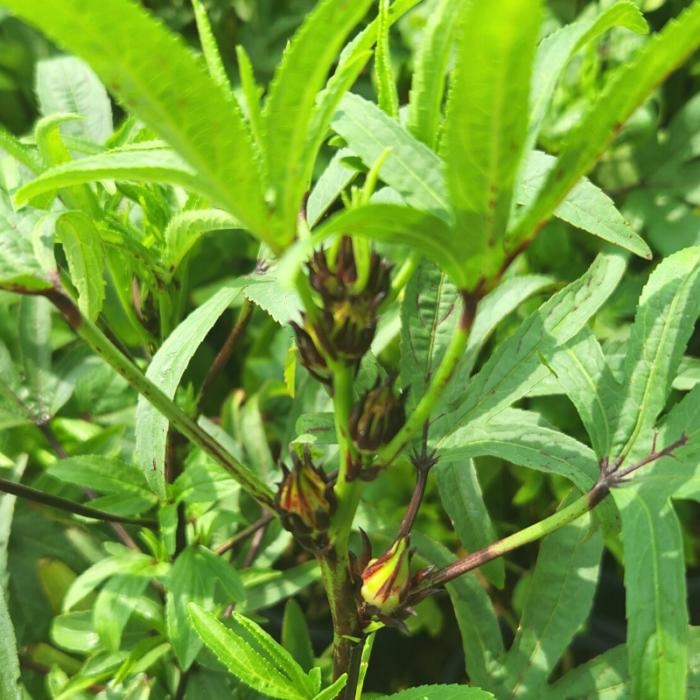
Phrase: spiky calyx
(378, 416)
(306, 501)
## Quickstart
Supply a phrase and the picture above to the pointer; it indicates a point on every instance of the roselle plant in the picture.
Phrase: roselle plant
(414, 228)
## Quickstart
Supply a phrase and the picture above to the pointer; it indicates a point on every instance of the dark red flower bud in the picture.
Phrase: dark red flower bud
(309, 355)
(378, 416)
(306, 501)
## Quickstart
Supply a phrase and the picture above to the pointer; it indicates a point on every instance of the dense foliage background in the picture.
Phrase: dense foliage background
(46, 550)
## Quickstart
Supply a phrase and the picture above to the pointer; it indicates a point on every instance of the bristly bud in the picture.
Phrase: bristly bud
(378, 416)
(306, 501)
(309, 355)
(349, 318)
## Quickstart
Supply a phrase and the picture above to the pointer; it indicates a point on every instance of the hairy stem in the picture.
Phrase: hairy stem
(439, 383)
(47, 499)
(222, 358)
(179, 420)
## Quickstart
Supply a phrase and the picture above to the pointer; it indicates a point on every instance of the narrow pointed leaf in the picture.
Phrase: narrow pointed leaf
(166, 370)
(386, 86)
(463, 501)
(9, 662)
(155, 76)
(292, 97)
(428, 84)
(152, 161)
(486, 123)
(581, 369)
(209, 47)
(185, 229)
(631, 84)
(559, 600)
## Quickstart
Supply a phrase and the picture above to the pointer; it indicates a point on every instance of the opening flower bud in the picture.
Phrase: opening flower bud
(309, 355)
(377, 416)
(386, 581)
(306, 501)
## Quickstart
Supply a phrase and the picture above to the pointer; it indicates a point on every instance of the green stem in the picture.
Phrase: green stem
(439, 383)
(48, 499)
(179, 420)
(530, 534)
(165, 310)
(401, 278)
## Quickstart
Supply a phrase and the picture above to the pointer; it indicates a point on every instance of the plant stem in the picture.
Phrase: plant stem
(47, 499)
(244, 534)
(439, 383)
(222, 358)
(610, 477)
(179, 420)
(401, 278)
(347, 654)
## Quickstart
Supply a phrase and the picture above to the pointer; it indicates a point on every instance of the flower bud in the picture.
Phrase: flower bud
(309, 354)
(349, 318)
(377, 416)
(386, 581)
(306, 501)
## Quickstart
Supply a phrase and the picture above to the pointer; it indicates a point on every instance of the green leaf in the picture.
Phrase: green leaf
(190, 582)
(252, 93)
(67, 85)
(292, 97)
(657, 613)
(7, 510)
(20, 270)
(256, 659)
(393, 223)
(492, 309)
(114, 606)
(586, 206)
(556, 50)
(668, 308)
(75, 632)
(334, 179)
(580, 368)
(266, 292)
(630, 85)
(35, 349)
(464, 504)
(165, 371)
(9, 662)
(333, 690)
(24, 154)
(605, 676)
(411, 168)
(123, 562)
(516, 367)
(185, 229)
(209, 47)
(224, 574)
(155, 76)
(103, 474)
(486, 123)
(522, 442)
(152, 161)
(295, 636)
(558, 602)
(429, 317)
(481, 635)
(442, 692)
(82, 246)
(280, 585)
(431, 61)
(386, 86)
